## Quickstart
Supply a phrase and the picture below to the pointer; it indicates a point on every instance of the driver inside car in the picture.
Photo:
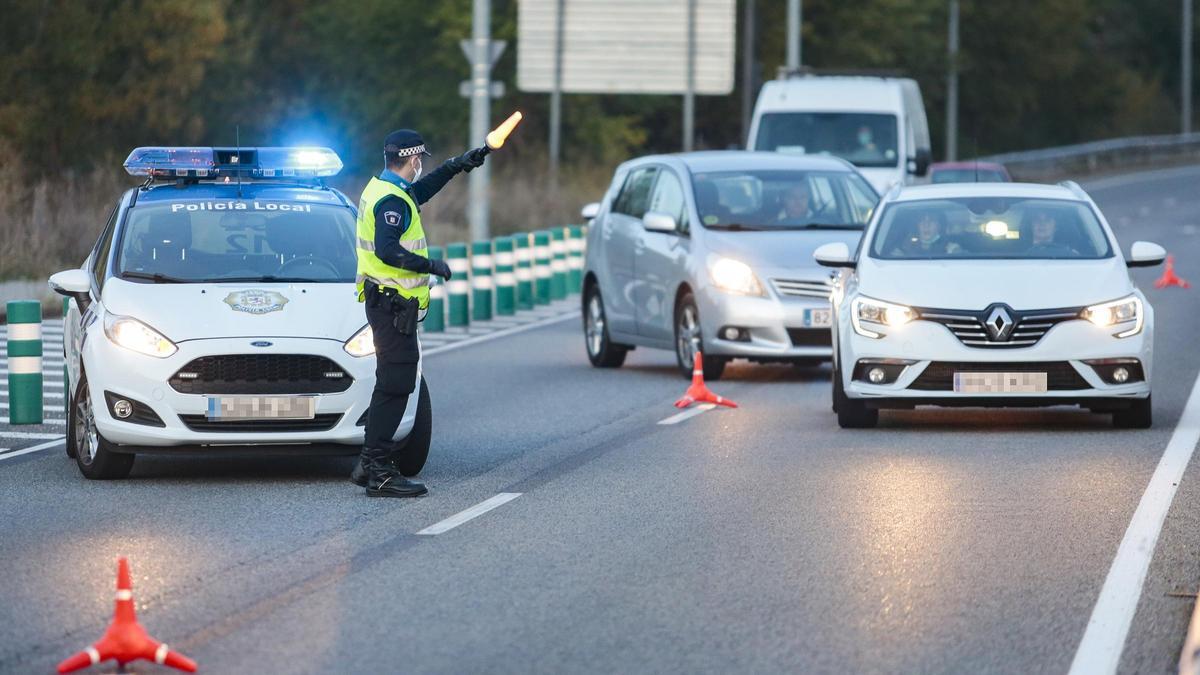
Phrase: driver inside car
(927, 237)
(1045, 238)
(796, 203)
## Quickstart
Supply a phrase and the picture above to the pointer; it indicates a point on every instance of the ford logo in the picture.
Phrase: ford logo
(261, 343)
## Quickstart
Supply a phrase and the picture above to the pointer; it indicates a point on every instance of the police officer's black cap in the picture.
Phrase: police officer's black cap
(405, 143)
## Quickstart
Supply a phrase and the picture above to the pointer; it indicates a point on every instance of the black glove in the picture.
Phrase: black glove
(472, 159)
(439, 268)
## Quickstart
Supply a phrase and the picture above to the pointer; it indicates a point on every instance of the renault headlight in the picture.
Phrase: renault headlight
(134, 335)
(1126, 312)
(362, 344)
(866, 313)
(733, 276)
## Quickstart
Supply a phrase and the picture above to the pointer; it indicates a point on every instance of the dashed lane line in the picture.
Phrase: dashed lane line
(33, 448)
(469, 514)
(688, 414)
(28, 435)
(1100, 650)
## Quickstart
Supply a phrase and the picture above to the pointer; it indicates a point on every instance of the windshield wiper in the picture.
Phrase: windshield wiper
(155, 277)
(266, 279)
(829, 226)
(732, 226)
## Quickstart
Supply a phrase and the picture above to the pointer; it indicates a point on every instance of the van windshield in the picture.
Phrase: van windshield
(863, 139)
(238, 240)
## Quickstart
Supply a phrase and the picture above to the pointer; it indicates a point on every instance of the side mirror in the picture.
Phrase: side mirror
(1145, 254)
(834, 254)
(74, 283)
(657, 221)
(590, 211)
(918, 164)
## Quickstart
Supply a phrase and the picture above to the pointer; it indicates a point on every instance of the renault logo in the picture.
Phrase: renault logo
(999, 324)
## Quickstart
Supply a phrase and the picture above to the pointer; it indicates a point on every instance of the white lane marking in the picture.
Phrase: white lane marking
(687, 414)
(1100, 650)
(34, 448)
(470, 514)
(28, 434)
(501, 333)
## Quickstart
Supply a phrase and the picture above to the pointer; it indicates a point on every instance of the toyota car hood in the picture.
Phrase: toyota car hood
(975, 284)
(184, 312)
(775, 253)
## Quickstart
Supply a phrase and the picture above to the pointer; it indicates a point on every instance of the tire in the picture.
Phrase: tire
(416, 447)
(1137, 416)
(94, 455)
(689, 338)
(601, 350)
(852, 413)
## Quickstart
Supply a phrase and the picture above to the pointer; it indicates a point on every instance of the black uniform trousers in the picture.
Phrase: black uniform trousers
(396, 358)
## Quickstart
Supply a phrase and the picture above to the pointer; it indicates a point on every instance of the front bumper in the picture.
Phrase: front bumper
(145, 379)
(923, 345)
(775, 324)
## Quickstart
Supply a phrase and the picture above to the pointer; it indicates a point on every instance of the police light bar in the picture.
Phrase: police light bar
(172, 162)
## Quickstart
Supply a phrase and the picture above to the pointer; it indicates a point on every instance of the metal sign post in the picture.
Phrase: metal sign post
(482, 52)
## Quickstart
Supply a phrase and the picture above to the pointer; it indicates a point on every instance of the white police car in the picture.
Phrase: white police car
(217, 310)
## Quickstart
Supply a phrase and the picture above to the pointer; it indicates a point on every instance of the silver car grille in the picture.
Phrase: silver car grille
(804, 288)
(1024, 329)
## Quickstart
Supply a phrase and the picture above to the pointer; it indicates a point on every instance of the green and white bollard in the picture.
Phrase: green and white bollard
(481, 281)
(541, 267)
(524, 271)
(558, 264)
(25, 362)
(506, 281)
(575, 250)
(458, 288)
(435, 318)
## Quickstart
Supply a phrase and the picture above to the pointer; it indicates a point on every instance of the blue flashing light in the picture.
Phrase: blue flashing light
(181, 162)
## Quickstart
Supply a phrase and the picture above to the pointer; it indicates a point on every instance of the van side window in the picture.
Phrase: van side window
(635, 195)
(103, 247)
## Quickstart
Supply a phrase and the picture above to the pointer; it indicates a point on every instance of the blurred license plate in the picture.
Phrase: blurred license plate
(1000, 383)
(262, 407)
(818, 318)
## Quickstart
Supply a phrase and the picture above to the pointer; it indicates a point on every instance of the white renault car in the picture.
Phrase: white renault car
(217, 310)
(990, 295)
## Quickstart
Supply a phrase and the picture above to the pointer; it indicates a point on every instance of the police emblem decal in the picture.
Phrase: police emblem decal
(255, 301)
(391, 217)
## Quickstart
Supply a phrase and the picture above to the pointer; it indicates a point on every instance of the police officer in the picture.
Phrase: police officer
(394, 271)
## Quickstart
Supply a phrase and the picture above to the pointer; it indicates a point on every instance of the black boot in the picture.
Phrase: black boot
(383, 480)
(358, 475)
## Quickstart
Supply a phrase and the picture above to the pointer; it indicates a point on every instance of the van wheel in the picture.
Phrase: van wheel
(1137, 416)
(93, 454)
(601, 350)
(415, 452)
(852, 413)
(689, 339)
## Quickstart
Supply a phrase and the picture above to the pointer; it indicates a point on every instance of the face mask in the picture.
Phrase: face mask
(420, 168)
(864, 138)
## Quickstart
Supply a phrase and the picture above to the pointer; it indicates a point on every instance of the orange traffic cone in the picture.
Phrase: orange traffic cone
(125, 640)
(1169, 278)
(699, 392)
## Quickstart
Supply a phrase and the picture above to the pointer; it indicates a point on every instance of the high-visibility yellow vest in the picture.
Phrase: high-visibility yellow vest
(408, 284)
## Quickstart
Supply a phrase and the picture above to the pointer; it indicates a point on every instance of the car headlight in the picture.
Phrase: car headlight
(1127, 310)
(733, 276)
(134, 335)
(866, 312)
(362, 344)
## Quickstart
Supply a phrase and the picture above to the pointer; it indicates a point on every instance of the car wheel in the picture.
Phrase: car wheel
(416, 446)
(1137, 416)
(601, 350)
(852, 413)
(93, 454)
(689, 339)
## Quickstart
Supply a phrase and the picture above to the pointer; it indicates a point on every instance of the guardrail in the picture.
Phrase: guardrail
(1047, 165)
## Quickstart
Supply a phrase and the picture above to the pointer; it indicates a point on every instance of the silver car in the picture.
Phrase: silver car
(713, 251)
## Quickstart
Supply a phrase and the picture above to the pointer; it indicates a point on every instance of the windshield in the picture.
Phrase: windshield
(864, 139)
(244, 240)
(968, 176)
(982, 228)
(770, 200)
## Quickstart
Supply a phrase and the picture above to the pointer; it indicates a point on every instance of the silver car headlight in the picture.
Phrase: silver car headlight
(867, 313)
(362, 344)
(1126, 313)
(128, 332)
(733, 276)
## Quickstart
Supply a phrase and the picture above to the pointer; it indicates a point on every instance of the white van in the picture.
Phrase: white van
(876, 123)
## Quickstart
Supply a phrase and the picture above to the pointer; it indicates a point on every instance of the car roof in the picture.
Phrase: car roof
(274, 191)
(991, 166)
(958, 190)
(726, 160)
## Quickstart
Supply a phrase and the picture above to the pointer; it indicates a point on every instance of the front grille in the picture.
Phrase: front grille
(810, 337)
(261, 374)
(1020, 329)
(939, 375)
(806, 288)
(204, 424)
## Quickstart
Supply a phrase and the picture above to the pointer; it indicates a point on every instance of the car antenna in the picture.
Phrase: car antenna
(237, 140)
